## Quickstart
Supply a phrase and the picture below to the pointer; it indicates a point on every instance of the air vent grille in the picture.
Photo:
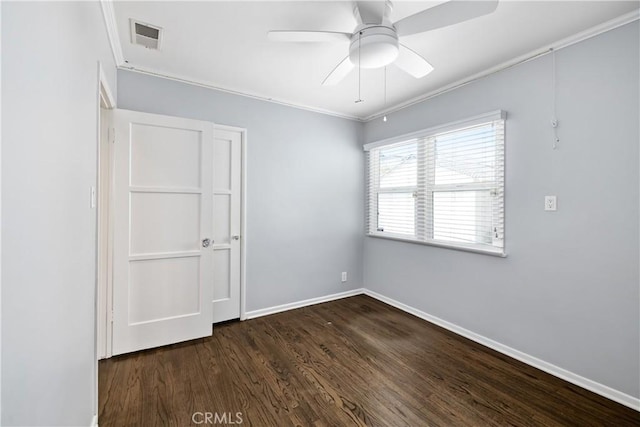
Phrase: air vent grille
(146, 35)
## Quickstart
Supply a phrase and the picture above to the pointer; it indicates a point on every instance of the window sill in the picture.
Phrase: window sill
(492, 252)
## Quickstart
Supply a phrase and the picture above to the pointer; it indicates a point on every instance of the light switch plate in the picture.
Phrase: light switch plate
(93, 197)
(550, 203)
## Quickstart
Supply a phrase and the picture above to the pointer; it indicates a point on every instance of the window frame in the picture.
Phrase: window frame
(395, 190)
(426, 139)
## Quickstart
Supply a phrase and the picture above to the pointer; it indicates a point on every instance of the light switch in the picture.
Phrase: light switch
(550, 203)
(93, 197)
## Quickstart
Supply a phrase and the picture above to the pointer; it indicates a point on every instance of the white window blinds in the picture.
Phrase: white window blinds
(442, 186)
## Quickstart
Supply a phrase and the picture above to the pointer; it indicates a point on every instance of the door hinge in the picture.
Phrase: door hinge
(112, 135)
(111, 316)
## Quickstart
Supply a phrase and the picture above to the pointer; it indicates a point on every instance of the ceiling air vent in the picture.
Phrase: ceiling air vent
(145, 35)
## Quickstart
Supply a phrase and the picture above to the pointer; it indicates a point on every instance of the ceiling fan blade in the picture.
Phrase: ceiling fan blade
(371, 12)
(340, 72)
(443, 15)
(412, 63)
(307, 36)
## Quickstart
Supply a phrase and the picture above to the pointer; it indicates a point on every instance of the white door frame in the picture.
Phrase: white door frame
(105, 100)
(104, 214)
(104, 243)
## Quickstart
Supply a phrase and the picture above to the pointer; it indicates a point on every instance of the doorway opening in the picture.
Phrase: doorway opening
(148, 243)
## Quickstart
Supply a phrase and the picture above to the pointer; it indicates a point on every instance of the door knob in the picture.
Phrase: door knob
(206, 243)
(235, 237)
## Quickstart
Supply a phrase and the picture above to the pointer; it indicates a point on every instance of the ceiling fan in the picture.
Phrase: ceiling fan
(375, 42)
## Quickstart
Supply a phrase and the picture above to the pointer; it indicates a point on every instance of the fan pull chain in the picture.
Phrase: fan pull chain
(359, 100)
(554, 119)
(384, 119)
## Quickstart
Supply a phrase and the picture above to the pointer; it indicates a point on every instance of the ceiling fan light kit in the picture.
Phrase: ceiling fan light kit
(375, 46)
(377, 42)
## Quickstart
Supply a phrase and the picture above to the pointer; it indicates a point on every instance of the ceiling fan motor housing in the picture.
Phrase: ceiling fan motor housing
(373, 46)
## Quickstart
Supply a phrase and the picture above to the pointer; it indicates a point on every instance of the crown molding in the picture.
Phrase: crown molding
(109, 15)
(114, 39)
(207, 85)
(560, 44)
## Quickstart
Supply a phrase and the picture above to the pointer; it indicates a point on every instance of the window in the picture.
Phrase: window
(442, 186)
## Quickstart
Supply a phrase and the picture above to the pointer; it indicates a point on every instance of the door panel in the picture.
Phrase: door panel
(172, 285)
(223, 158)
(222, 218)
(221, 277)
(165, 157)
(227, 195)
(163, 211)
(164, 222)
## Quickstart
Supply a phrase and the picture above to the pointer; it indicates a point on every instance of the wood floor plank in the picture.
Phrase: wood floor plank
(351, 362)
(459, 396)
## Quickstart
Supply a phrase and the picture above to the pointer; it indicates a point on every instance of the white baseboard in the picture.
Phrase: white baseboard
(601, 389)
(293, 305)
(94, 421)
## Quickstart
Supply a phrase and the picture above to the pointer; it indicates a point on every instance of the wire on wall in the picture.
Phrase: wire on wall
(554, 119)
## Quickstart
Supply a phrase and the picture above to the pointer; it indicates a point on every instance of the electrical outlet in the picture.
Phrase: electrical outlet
(344, 276)
(550, 203)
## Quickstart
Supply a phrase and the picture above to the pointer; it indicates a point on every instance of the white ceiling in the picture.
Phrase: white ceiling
(224, 44)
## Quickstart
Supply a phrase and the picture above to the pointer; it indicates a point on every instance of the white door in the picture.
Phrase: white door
(162, 259)
(227, 204)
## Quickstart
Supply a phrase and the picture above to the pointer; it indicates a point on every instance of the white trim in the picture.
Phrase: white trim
(101, 328)
(488, 250)
(110, 221)
(293, 305)
(105, 89)
(560, 44)
(207, 85)
(0, 218)
(109, 15)
(423, 138)
(243, 231)
(556, 371)
(423, 133)
(596, 30)
(601, 389)
(103, 308)
(105, 94)
(612, 24)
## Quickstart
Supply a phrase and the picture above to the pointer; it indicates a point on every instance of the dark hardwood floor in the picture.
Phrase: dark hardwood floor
(354, 361)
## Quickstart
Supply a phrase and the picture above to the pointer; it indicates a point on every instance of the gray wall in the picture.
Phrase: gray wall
(50, 56)
(568, 292)
(304, 186)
